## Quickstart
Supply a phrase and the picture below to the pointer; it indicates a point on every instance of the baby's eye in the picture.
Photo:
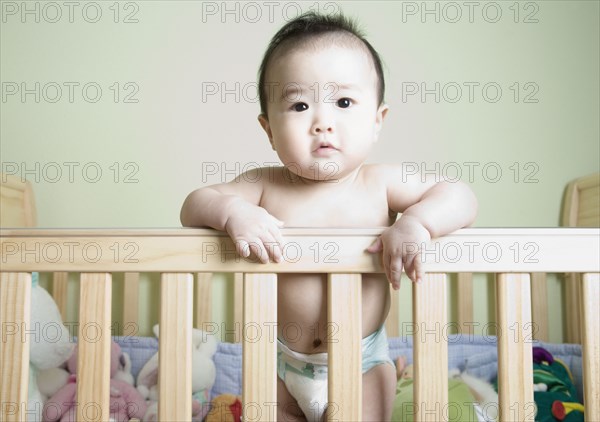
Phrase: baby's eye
(300, 107)
(344, 102)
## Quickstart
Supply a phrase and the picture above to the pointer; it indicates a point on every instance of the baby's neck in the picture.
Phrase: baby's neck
(332, 181)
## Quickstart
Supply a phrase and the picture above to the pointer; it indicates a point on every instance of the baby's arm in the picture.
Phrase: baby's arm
(430, 208)
(233, 207)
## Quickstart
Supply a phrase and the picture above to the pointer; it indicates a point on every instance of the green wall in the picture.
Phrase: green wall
(126, 155)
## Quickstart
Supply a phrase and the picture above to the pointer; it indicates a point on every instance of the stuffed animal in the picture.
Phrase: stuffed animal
(49, 347)
(469, 398)
(484, 393)
(225, 408)
(124, 369)
(49, 381)
(125, 401)
(204, 346)
(555, 394)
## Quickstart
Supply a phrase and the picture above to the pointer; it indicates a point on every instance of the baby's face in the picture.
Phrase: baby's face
(323, 111)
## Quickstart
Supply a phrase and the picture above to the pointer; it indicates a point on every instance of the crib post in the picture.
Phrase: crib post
(572, 308)
(430, 348)
(175, 348)
(590, 292)
(344, 335)
(93, 360)
(464, 303)
(515, 357)
(392, 322)
(238, 302)
(131, 301)
(539, 306)
(203, 306)
(259, 348)
(15, 316)
(60, 283)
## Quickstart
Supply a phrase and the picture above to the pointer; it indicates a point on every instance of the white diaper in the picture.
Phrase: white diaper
(305, 375)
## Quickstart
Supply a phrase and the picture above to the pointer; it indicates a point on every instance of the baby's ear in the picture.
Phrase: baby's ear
(264, 122)
(381, 113)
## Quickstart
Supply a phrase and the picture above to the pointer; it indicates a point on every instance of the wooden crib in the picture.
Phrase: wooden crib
(178, 253)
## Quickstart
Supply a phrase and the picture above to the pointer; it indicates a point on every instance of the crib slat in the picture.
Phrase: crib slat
(464, 303)
(131, 301)
(259, 347)
(539, 306)
(515, 364)
(93, 362)
(572, 308)
(430, 348)
(392, 323)
(344, 335)
(60, 280)
(15, 314)
(238, 303)
(590, 294)
(203, 299)
(175, 347)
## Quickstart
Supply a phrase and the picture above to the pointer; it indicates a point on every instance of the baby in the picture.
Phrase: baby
(322, 107)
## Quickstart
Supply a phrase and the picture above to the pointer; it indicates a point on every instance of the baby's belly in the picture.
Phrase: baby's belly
(302, 309)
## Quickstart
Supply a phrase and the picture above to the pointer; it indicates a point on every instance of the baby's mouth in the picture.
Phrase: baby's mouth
(325, 150)
(325, 147)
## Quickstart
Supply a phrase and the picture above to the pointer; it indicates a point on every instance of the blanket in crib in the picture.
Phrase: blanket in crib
(476, 355)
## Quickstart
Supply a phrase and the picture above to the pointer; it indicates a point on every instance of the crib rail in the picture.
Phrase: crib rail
(511, 253)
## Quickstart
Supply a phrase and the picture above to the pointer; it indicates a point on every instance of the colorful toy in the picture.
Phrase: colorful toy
(225, 408)
(555, 394)
(125, 401)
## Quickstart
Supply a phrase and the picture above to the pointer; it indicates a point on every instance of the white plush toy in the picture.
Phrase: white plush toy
(51, 380)
(50, 344)
(204, 346)
(484, 393)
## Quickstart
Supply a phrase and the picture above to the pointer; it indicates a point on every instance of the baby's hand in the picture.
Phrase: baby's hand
(401, 245)
(253, 229)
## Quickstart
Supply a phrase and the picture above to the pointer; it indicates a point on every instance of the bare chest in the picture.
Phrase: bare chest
(356, 206)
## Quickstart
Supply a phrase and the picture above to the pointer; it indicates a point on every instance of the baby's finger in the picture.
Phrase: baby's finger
(385, 259)
(259, 250)
(419, 270)
(272, 248)
(409, 268)
(396, 271)
(278, 245)
(411, 275)
(243, 248)
(376, 246)
(276, 252)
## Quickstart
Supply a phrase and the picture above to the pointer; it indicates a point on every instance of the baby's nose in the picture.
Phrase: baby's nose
(322, 126)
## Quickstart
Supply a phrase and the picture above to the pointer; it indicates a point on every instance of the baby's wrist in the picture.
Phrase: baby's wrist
(415, 223)
(232, 206)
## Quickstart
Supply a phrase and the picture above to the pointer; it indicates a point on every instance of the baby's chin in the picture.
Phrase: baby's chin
(319, 171)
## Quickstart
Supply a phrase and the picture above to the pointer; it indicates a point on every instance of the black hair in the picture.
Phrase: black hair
(312, 25)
